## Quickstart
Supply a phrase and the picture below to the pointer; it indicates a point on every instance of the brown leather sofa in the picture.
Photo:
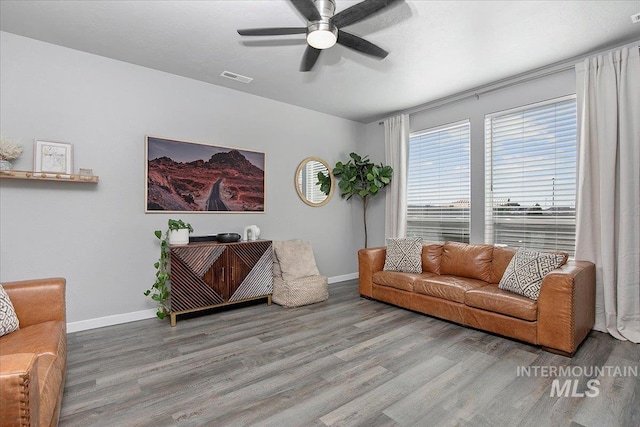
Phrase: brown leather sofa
(459, 282)
(33, 359)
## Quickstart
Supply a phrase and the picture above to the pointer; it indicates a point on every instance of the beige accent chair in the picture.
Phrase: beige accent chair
(296, 279)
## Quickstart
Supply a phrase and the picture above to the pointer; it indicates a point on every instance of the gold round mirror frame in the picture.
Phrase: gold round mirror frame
(297, 181)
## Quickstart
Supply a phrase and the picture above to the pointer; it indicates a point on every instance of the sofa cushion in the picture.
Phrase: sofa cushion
(431, 255)
(395, 279)
(446, 287)
(42, 338)
(472, 261)
(404, 254)
(494, 299)
(501, 257)
(526, 270)
(8, 319)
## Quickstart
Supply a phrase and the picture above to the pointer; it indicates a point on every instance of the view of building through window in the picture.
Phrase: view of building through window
(438, 183)
(530, 178)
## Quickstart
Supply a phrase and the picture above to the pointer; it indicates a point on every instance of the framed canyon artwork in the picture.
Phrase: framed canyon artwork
(186, 176)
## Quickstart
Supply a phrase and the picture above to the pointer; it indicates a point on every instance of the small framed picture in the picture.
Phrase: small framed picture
(53, 157)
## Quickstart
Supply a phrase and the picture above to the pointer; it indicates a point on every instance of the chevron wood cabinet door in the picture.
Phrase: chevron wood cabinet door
(208, 274)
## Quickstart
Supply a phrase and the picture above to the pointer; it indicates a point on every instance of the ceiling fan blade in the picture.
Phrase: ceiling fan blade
(309, 59)
(307, 8)
(361, 45)
(272, 31)
(359, 11)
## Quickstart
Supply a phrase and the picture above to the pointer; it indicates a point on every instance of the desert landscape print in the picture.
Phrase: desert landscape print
(187, 176)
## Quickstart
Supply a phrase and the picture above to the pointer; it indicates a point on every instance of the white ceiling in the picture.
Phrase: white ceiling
(437, 48)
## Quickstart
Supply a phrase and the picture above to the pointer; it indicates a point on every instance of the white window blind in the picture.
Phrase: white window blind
(307, 181)
(530, 176)
(438, 183)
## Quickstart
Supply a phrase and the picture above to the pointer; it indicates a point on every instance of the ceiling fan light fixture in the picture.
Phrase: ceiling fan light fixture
(322, 35)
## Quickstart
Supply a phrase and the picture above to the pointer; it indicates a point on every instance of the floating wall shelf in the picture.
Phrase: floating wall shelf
(49, 176)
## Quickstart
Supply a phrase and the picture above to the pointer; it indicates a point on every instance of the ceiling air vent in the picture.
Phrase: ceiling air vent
(236, 77)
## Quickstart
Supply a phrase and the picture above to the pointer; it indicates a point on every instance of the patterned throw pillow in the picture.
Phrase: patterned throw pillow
(526, 270)
(404, 254)
(8, 318)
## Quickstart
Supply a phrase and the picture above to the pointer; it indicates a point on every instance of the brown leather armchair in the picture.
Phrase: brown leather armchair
(33, 359)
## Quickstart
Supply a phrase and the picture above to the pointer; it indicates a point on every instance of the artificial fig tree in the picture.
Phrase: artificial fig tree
(358, 177)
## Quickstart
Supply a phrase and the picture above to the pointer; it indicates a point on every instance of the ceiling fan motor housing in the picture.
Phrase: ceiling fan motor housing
(323, 34)
(326, 8)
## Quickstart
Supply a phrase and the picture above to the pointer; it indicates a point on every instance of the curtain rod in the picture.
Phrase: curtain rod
(558, 67)
(483, 90)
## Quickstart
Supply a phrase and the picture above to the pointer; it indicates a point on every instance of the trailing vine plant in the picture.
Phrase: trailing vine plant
(159, 291)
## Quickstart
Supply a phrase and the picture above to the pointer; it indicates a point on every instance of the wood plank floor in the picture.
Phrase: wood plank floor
(346, 361)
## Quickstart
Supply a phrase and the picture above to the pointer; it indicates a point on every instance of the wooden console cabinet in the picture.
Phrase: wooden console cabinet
(209, 274)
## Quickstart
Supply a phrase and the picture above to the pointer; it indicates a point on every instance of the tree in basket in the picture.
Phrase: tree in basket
(159, 291)
(358, 177)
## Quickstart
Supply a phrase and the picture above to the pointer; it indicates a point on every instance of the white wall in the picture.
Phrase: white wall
(98, 236)
(474, 109)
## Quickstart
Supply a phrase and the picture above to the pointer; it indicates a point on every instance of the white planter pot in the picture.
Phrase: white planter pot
(179, 237)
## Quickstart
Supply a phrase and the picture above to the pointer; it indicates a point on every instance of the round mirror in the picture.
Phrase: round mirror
(307, 184)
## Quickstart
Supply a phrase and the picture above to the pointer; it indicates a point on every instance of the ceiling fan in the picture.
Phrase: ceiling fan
(324, 28)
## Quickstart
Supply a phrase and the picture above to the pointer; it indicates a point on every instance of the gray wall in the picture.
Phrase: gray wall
(98, 236)
(540, 89)
(373, 145)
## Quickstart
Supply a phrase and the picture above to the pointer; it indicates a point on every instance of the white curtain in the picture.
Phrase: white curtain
(608, 196)
(396, 141)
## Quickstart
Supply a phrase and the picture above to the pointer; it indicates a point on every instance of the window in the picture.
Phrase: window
(438, 183)
(307, 181)
(530, 176)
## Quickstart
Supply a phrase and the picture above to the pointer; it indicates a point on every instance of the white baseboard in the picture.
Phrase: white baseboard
(101, 322)
(116, 319)
(343, 278)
